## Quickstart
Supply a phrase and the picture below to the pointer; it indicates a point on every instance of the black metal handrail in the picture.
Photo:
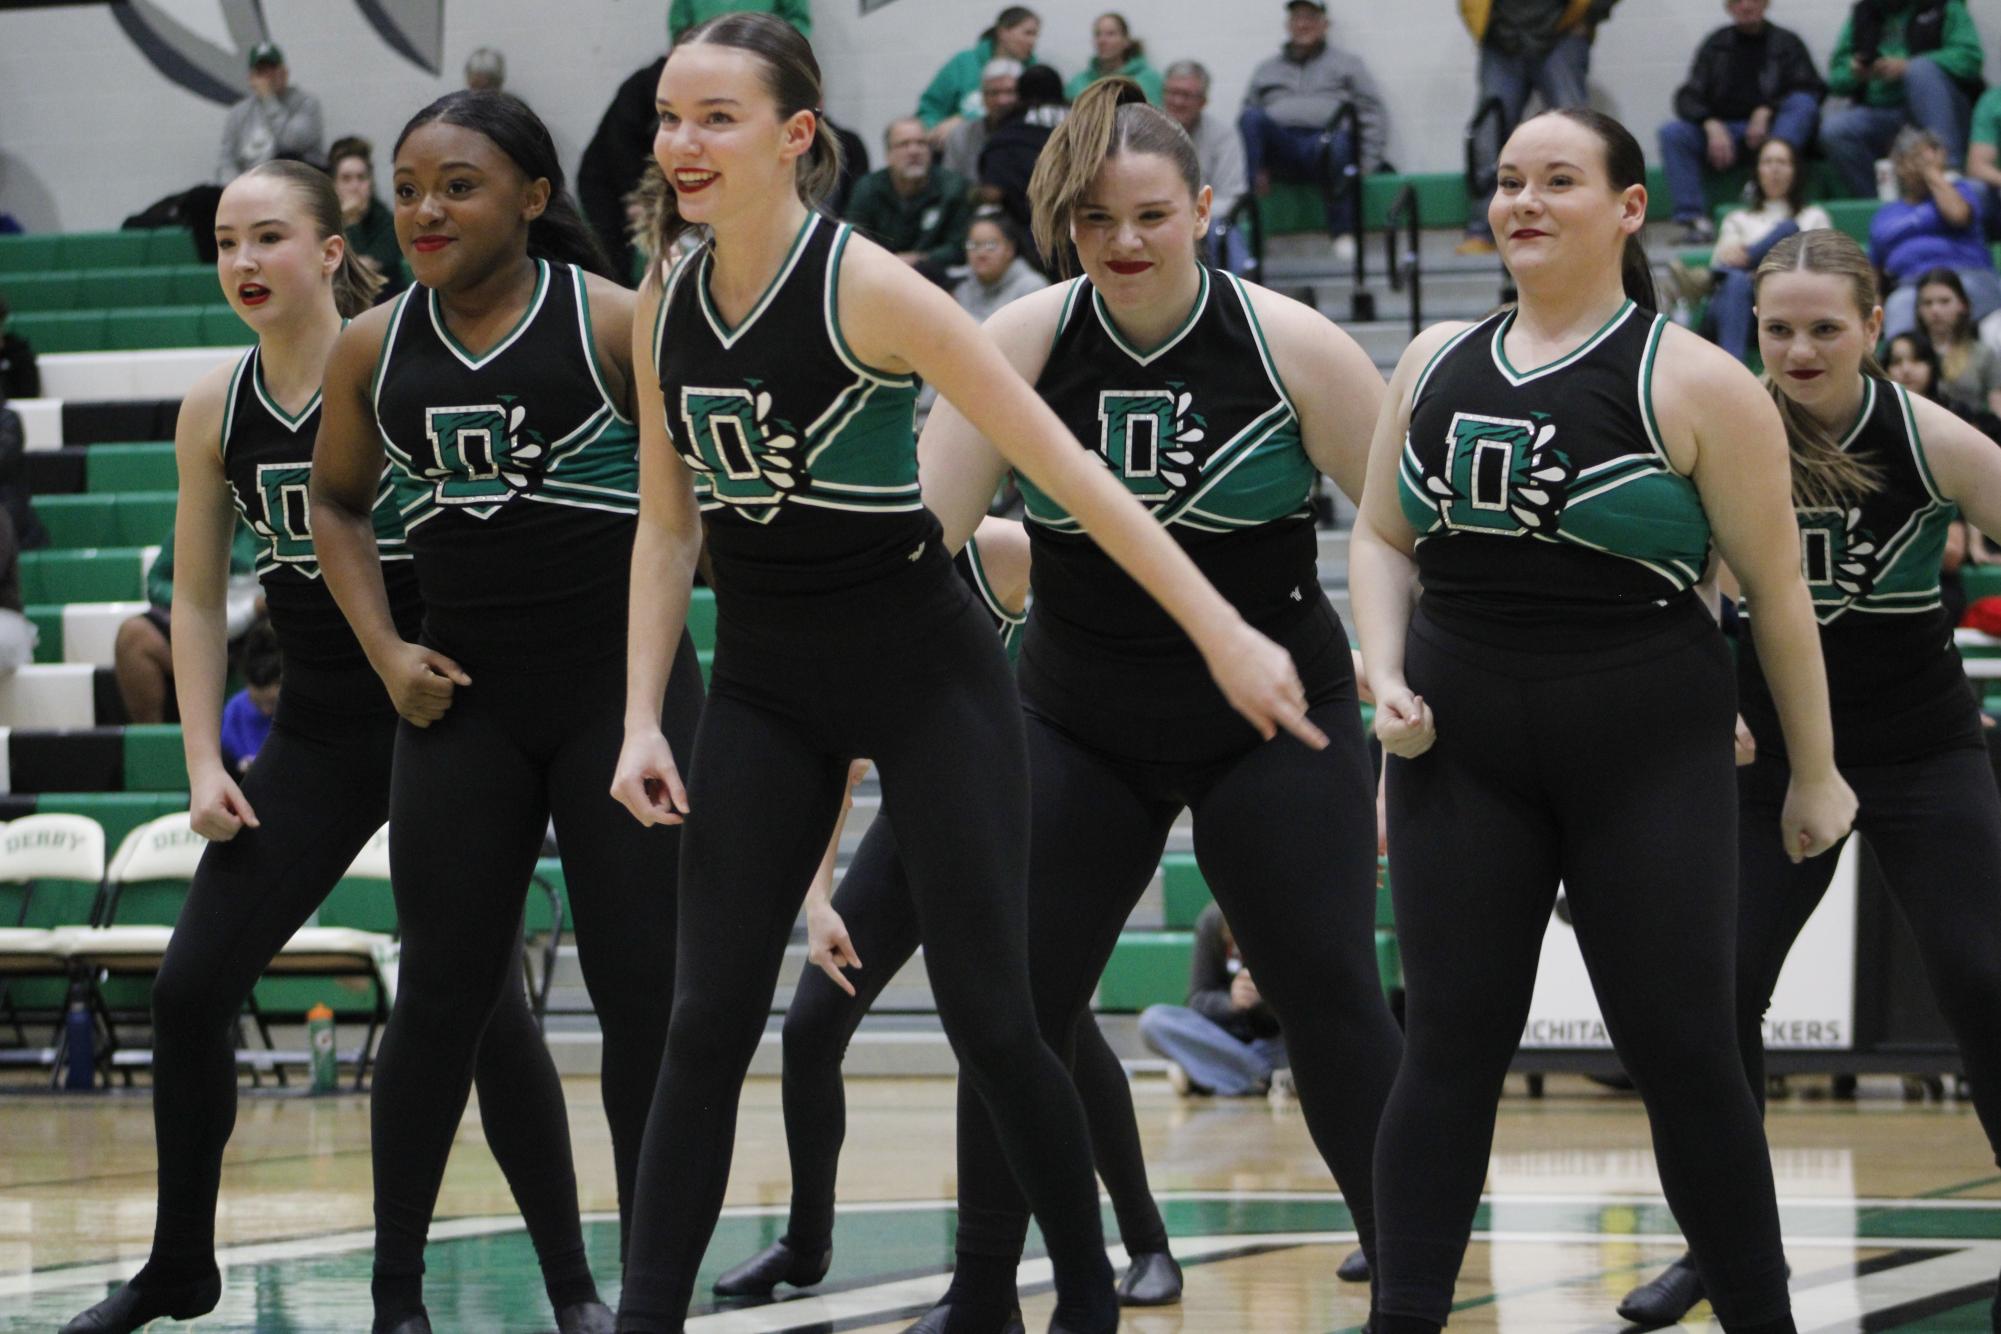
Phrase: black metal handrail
(1406, 268)
(1347, 116)
(1247, 216)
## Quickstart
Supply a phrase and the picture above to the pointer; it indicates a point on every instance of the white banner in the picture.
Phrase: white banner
(1813, 1006)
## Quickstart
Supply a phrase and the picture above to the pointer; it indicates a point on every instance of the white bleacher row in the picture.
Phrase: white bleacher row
(109, 376)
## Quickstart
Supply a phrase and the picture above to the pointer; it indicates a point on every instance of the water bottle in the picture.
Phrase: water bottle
(79, 1045)
(320, 1038)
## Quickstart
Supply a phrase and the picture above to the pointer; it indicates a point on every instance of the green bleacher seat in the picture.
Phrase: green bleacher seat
(192, 284)
(31, 293)
(1852, 216)
(171, 245)
(105, 289)
(122, 519)
(119, 812)
(1184, 893)
(141, 327)
(154, 760)
(30, 254)
(220, 327)
(136, 467)
(1147, 968)
(106, 250)
(48, 621)
(1389, 961)
(62, 331)
(92, 574)
(702, 619)
(1980, 581)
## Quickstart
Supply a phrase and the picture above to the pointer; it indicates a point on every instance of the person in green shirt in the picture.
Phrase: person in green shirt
(1114, 51)
(915, 210)
(954, 92)
(685, 14)
(1906, 62)
(1983, 155)
(368, 224)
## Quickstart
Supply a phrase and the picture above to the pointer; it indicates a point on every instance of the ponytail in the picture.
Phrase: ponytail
(354, 283)
(1824, 474)
(792, 77)
(1109, 117)
(1636, 275)
(560, 234)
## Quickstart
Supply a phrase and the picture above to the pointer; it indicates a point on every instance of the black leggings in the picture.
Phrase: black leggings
(1935, 827)
(320, 791)
(471, 798)
(929, 697)
(1285, 837)
(881, 918)
(1608, 770)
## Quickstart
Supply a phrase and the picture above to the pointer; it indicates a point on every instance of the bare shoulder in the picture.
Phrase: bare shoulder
(1694, 379)
(359, 347)
(200, 419)
(1030, 321)
(609, 300)
(1943, 433)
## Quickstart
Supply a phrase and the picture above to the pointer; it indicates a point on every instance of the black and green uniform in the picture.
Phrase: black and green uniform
(320, 788)
(1126, 729)
(518, 473)
(840, 632)
(1907, 737)
(1584, 706)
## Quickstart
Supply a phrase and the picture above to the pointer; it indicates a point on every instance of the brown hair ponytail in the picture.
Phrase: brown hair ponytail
(1824, 474)
(792, 77)
(1110, 117)
(354, 284)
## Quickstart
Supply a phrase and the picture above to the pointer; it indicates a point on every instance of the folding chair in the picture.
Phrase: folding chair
(51, 875)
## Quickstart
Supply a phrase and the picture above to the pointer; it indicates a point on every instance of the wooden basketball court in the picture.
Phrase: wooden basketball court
(1892, 1214)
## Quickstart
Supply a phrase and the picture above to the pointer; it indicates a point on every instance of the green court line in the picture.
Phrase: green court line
(1945, 1191)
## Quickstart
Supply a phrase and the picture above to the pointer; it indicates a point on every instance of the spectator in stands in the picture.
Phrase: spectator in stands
(1748, 232)
(276, 120)
(1225, 1040)
(486, 70)
(998, 90)
(1969, 378)
(911, 208)
(685, 14)
(18, 634)
(142, 655)
(1933, 223)
(369, 225)
(1219, 148)
(1539, 46)
(247, 715)
(1751, 82)
(1114, 50)
(14, 498)
(854, 164)
(1008, 160)
(997, 270)
(1288, 115)
(616, 159)
(1983, 155)
(954, 92)
(20, 377)
(1902, 62)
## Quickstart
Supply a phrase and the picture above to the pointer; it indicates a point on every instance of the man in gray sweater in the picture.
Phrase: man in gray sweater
(1291, 100)
(276, 120)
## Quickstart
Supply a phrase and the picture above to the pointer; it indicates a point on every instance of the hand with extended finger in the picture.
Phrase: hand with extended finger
(420, 682)
(216, 806)
(646, 782)
(1818, 814)
(1403, 721)
(827, 945)
(1259, 680)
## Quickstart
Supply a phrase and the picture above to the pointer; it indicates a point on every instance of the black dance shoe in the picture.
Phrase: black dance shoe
(938, 1317)
(419, 1323)
(1354, 1269)
(775, 1264)
(133, 1305)
(586, 1318)
(1152, 1279)
(1666, 1299)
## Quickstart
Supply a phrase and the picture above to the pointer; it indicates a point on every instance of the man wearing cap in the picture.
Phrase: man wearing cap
(1539, 46)
(1291, 100)
(276, 120)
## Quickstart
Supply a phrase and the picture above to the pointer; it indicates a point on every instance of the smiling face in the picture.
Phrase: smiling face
(1811, 335)
(1555, 209)
(1940, 311)
(462, 205)
(1109, 40)
(724, 147)
(1135, 228)
(270, 260)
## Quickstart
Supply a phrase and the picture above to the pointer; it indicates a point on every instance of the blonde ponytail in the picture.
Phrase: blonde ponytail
(1109, 117)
